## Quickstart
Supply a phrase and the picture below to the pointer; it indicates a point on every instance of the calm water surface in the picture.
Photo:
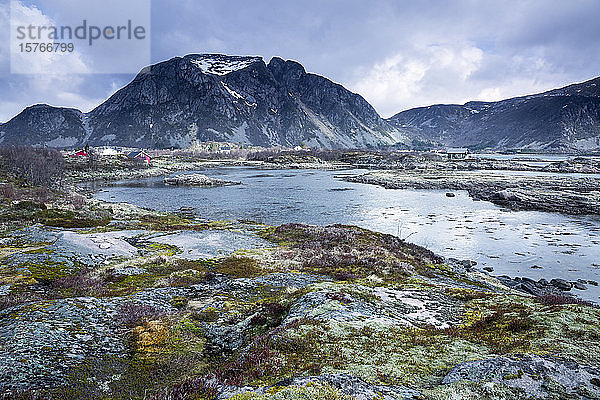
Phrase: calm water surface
(515, 243)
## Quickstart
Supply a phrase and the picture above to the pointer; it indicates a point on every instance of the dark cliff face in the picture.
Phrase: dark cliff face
(228, 98)
(42, 124)
(561, 120)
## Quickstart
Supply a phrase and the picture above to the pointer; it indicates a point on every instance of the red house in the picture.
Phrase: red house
(139, 155)
(80, 153)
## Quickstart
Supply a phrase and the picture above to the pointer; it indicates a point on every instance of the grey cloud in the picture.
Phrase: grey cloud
(525, 45)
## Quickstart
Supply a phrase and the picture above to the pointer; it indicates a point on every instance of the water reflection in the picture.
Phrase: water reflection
(523, 243)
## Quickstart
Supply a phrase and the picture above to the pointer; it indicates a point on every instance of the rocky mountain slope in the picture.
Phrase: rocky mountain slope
(561, 120)
(44, 124)
(213, 97)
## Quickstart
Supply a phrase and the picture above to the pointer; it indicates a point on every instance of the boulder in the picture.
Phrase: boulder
(561, 284)
(505, 195)
(539, 377)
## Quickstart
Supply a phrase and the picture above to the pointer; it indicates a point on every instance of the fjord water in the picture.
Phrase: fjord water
(515, 243)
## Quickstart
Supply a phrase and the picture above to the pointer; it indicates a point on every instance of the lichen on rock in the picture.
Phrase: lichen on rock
(301, 312)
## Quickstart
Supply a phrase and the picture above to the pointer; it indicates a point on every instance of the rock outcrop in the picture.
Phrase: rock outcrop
(196, 180)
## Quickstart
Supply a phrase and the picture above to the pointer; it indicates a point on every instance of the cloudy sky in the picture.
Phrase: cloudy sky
(398, 54)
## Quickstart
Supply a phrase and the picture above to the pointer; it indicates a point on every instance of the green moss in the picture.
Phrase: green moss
(167, 222)
(316, 391)
(172, 222)
(379, 355)
(164, 249)
(517, 375)
(179, 302)
(571, 331)
(503, 327)
(446, 271)
(188, 324)
(69, 219)
(39, 250)
(132, 283)
(239, 267)
(269, 233)
(49, 271)
(28, 212)
(417, 357)
(209, 314)
(466, 294)
(145, 370)
(161, 272)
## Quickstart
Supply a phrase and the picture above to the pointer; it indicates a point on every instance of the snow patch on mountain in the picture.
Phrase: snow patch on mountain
(587, 144)
(108, 138)
(217, 64)
(233, 93)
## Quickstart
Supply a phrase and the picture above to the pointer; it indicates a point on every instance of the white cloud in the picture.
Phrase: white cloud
(4, 21)
(489, 94)
(405, 78)
(397, 53)
(42, 84)
(56, 90)
(39, 62)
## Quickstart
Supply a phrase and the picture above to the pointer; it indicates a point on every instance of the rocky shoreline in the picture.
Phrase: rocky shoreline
(475, 162)
(551, 193)
(113, 169)
(553, 189)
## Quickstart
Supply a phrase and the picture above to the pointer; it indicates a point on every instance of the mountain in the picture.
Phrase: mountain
(213, 97)
(560, 120)
(44, 124)
(204, 97)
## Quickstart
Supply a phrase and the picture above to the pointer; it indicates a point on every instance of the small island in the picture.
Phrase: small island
(196, 180)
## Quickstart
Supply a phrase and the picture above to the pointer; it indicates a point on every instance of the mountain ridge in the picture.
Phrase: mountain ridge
(243, 99)
(565, 119)
(202, 97)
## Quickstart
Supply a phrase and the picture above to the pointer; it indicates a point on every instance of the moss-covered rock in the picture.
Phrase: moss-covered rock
(322, 312)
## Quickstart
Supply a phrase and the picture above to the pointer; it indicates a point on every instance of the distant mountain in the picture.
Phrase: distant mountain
(47, 125)
(213, 97)
(560, 120)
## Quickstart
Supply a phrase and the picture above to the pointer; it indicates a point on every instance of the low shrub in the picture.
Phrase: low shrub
(555, 300)
(132, 314)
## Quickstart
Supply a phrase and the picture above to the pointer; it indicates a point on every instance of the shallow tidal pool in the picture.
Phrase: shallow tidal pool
(515, 243)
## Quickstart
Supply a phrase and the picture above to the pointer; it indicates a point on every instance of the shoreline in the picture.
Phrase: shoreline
(574, 190)
(561, 194)
(524, 283)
